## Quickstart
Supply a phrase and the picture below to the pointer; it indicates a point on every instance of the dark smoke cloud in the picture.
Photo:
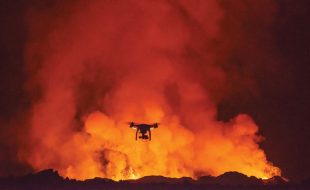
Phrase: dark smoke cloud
(12, 77)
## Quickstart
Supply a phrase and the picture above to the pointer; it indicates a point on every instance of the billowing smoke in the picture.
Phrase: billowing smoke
(95, 65)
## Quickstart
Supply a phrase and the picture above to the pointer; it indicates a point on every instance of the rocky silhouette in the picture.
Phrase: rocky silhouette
(50, 179)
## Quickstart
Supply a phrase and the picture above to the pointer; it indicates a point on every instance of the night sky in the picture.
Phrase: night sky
(279, 104)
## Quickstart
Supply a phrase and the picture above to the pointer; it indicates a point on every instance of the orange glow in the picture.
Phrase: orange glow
(107, 149)
(102, 67)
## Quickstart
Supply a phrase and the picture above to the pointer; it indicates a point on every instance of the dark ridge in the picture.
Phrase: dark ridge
(162, 179)
(235, 178)
(51, 180)
(275, 180)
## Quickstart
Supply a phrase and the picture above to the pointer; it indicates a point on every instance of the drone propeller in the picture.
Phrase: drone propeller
(155, 125)
(131, 124)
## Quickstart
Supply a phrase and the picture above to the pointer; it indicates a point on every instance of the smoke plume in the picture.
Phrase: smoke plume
(95, 65)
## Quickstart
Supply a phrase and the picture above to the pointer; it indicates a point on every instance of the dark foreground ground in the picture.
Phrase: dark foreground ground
(50, 180)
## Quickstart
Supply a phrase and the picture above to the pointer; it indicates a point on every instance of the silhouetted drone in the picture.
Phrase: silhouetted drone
(143, 129)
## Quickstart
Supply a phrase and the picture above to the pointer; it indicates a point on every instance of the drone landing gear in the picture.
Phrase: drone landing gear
(143, 135)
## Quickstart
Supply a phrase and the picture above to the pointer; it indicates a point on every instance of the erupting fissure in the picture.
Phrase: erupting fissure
(99, 64)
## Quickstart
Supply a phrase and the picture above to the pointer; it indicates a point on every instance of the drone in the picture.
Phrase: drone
(143, 129)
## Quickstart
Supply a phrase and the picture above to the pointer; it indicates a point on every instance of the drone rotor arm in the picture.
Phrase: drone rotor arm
(137, 134)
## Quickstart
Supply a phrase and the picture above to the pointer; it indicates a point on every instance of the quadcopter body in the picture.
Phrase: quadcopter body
(143, 129)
